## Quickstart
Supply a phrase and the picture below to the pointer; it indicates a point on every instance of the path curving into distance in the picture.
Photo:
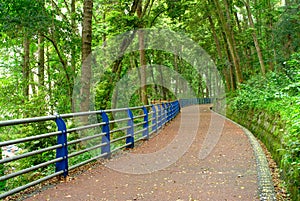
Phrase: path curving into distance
(226, 171)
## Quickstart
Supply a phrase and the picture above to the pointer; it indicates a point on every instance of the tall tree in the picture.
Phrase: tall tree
(26, 67)
(141, 11)
(227, 28)
(41, 62)
(255, 39)
(86, 52)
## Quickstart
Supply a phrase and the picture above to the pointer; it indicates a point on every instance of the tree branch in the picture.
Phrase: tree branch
(62, 61)
(59, 11)
(134, 7)
(68, 9)
(150, 7)
(145, 8)
(152, 22)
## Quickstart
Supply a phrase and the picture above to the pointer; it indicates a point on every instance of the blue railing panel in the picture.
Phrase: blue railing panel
(106, 137)
(130, 130)
(146, 124)
(154, 119)
(160, 115)
(62, 152)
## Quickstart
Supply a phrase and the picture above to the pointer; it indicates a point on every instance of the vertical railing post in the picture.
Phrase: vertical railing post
(62, 152)
(159, 116)
(163, 114)
(154, 119)
(169, 111)
(106, 137)
(130, 130)
(146, 124)
(166, 113)
(175, 108)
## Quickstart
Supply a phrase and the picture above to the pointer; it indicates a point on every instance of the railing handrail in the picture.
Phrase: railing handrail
(67, 115)
(138, 127)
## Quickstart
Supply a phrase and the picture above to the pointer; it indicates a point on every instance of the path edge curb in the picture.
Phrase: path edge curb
(265, 183)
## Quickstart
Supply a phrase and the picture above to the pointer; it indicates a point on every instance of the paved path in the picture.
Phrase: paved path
(217, 164)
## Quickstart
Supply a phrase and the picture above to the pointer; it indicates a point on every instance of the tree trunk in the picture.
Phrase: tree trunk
(230, 33)
(200, 91)
(134, 66)
(218, 46)
(229, 65)
(140, 13)
(26, 68)
(143, 64)
(229, 39)
(74, 30)
(49, 78)
(212, 26)
(255, 40)
(86, 60)
(152, 75)
(73, 51)
(271, 49)
(41, 62)
(177, 74)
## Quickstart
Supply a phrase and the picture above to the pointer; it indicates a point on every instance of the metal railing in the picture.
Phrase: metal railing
(194, 101)
(107, 132)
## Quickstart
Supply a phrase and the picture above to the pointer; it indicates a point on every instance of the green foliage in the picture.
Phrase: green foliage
(21, 131)
(24, 16)
(258, 91)
(2, 170)
(287, 31)
(277, 94)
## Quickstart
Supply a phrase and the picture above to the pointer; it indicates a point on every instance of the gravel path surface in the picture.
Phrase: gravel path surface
(218, 164)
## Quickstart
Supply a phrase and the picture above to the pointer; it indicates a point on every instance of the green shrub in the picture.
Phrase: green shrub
(277, 94)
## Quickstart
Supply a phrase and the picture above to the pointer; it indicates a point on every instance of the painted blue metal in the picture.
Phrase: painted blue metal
(166, 112)
(146, 124)
(62, 152)
(169, 111)
(159, 118)
(106, 137)
(163, 109)
(172, 110)
(161, 114)
(154, 119)
(130, 130)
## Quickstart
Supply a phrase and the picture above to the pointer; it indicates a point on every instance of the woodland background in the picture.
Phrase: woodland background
(254, 44)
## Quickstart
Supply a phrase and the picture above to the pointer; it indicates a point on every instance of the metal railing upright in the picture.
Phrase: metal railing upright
(107, 132)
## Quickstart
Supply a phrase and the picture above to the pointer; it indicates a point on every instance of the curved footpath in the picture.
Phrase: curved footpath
(223, 162)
